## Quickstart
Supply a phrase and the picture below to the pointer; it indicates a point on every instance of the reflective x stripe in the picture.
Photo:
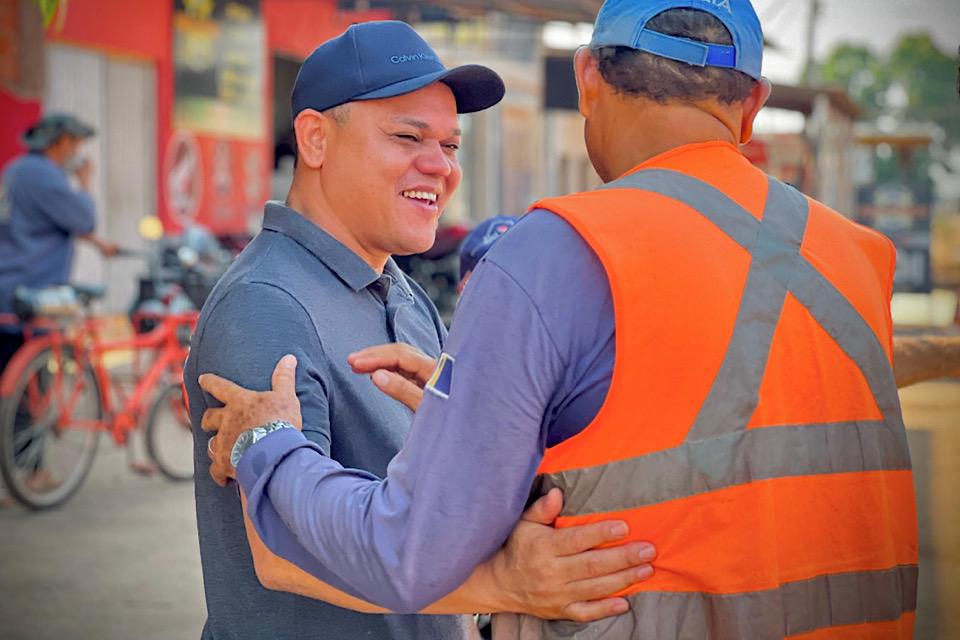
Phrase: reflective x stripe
(791, 609)
(736, 390)
(719, 451)
(827, 305)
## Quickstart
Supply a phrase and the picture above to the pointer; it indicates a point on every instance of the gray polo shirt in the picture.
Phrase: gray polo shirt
(295, 289)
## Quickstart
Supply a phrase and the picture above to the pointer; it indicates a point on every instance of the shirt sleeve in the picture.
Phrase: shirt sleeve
(255, 342)
(456, 489)
(70, 210)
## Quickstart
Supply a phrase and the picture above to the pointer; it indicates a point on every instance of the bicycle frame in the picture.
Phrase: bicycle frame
(166, 340)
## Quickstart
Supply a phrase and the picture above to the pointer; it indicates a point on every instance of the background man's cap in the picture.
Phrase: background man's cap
(383, 59)
(479, 241)
(622, 23)
(51, 127)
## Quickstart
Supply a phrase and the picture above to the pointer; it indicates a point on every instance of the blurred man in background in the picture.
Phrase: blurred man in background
(41, 214)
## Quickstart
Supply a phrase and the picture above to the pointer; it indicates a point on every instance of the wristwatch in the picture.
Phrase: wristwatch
(251, 436)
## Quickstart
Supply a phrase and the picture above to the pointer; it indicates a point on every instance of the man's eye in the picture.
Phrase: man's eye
(452, 146)
(407, 136)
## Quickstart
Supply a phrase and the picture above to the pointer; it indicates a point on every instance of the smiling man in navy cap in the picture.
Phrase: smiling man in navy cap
(377, 134)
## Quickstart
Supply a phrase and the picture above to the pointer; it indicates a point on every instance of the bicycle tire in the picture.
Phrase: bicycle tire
(9, 467)
(169, 397)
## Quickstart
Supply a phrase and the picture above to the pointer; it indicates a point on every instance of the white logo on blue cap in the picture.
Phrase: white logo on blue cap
(413, 57)
(720, 4)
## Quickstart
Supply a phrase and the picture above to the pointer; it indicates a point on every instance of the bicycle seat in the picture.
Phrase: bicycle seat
(89, 292)
(58, 301)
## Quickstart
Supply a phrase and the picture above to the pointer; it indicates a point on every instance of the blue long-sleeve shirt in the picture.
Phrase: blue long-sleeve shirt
(533, 345)
(40, 215)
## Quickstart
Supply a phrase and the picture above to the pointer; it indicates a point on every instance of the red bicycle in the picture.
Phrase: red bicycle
(58, 394)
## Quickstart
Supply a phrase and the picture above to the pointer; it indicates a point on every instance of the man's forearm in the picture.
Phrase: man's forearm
(479, 593)
(278, 574)
(920, 358)
(353, 531)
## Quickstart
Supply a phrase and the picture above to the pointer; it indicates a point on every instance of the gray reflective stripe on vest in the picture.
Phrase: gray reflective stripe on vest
(719, 451)
(736, 390)
(726, 461)
(792, 608)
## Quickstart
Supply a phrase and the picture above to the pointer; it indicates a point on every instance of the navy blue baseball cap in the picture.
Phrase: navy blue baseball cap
(623, 23)
(479, 241)
(383, 59)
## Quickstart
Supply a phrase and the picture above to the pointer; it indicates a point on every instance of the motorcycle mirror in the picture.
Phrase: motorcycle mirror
(150, 228)
(188, 256)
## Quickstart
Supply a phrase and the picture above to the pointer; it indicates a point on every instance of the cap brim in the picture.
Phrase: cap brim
(80, 130)
(474, 87)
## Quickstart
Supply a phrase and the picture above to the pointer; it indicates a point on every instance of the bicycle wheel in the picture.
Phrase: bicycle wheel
(169, 435)
(44, 463)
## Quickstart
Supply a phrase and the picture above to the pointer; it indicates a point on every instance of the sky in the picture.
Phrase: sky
(876, 23)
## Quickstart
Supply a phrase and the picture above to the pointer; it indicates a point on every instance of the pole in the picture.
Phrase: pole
(812, 18)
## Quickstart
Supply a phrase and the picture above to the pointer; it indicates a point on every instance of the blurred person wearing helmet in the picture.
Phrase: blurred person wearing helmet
(41, 214)
(478, 242)
(695, 347)
(377, 134)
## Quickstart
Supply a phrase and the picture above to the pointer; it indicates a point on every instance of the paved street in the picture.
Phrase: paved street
(120, 560)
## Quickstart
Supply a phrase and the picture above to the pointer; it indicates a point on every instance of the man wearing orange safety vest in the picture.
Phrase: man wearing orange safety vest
(695, 348)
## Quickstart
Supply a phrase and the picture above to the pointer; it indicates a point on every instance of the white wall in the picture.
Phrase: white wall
(117, 97)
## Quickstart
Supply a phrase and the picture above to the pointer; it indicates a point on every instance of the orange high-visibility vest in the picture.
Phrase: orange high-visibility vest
(752, 430)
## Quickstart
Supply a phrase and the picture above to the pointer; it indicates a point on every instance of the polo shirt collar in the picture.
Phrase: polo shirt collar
(343, 262)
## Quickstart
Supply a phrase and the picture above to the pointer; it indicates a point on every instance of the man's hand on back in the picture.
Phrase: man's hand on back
(560, 573)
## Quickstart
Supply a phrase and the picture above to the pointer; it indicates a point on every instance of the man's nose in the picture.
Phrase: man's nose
(435, 161)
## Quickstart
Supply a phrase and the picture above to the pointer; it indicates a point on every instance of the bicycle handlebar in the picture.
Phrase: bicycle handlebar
(126, 252)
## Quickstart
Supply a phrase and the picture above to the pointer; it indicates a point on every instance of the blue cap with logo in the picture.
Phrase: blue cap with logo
(623, 23)
(479, 241)
(383, 59)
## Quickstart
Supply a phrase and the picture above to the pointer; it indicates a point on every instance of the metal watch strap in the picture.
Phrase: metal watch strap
(251, 436)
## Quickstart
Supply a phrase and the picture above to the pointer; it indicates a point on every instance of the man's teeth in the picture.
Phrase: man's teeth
(420, 195)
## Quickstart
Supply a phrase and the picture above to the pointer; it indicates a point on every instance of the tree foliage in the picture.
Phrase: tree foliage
(915, 82)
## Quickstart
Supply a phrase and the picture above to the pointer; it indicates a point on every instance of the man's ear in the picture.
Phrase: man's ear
(587, 71)
(751, 107)
(312, 130)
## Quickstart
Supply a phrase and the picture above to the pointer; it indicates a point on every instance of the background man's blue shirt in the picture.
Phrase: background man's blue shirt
(295, 289)
(533, 343)
(40, 213)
